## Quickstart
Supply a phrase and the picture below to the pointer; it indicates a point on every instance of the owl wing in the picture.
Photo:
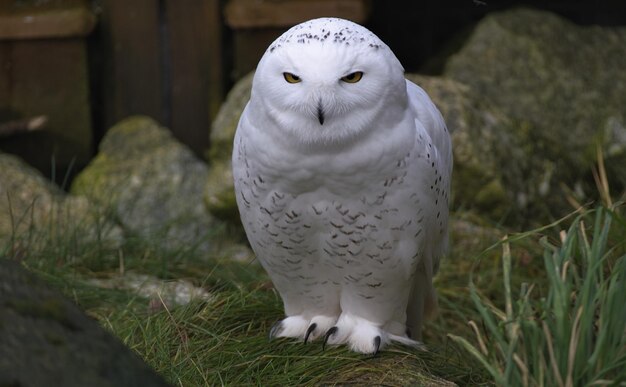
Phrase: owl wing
(429, 123)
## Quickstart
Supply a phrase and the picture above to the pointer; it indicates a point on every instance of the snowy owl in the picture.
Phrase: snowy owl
(342, 177)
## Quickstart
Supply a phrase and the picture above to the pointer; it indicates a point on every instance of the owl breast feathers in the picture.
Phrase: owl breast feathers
(342, 176)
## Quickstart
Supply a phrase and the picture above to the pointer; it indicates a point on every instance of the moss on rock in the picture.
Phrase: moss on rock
(151, 183)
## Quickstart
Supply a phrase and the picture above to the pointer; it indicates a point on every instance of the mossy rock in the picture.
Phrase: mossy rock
(34, 211)
(562, 89)
(151, 183)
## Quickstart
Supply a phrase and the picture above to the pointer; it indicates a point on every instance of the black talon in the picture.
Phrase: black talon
(408, 333)
(377, 345)
(278, 325)
(329, 333)
(309, 331)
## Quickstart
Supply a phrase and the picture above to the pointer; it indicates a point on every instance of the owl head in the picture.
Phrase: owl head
(328, 81)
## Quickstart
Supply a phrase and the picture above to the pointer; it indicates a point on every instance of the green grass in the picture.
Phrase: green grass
(573, 333)
(512, 337)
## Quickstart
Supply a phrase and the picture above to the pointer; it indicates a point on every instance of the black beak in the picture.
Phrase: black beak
(320, 113)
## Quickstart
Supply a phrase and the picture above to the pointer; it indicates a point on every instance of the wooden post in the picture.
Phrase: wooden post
(257, 23)
(194, 32)
(132, 61)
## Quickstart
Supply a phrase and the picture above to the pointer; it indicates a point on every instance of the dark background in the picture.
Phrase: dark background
(176, 60)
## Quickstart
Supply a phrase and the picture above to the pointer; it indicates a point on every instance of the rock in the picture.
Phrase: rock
(151, 183)
(219, 193)
(45, 340)
(476, 176)
(555, 91)
(34, 211)
(161, 293)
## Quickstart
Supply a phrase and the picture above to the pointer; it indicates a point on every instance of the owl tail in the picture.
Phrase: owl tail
(423, 303)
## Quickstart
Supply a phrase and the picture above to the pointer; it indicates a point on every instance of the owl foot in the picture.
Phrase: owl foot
(292, 326)
(334, 330)
(362, 335)
(328, 335)
(302, 328)
(319, 325)
(275, 329)
(309, 331)
(376, 345)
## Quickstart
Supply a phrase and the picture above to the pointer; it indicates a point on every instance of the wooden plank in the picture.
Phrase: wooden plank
(194, 31)
(255, 14)
(216, 71)
(64, 19)
(6, 65)
(131, 55)
(49, 77)
(250, 45)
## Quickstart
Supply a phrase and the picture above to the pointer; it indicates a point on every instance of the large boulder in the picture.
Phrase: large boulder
(556, 92)
(45, 340)
(34, 211)
(152, 185)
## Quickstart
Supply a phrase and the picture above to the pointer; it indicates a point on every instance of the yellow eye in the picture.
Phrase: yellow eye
(291, 78)
(353, 77)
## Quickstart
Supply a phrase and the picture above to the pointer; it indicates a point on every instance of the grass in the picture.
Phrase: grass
(564, 327)
(574, 332)
(225, 341)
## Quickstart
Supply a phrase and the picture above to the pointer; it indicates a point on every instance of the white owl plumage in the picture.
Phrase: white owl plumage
(342, 177)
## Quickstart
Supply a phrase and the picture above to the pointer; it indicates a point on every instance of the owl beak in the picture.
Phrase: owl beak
(320, 112)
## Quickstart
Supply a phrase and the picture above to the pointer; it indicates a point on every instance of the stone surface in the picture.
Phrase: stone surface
(555, 90)
(152, 185)
(45, 340)
(161, 293)
(219, 194)
(33, 211)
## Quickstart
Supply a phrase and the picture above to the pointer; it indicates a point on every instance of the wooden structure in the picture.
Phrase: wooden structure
(43, 73)
(86, 64)
(257, 23)
(162, 59)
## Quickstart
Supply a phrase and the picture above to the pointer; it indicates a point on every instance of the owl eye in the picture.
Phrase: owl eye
(353, 77)
(291, 78)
